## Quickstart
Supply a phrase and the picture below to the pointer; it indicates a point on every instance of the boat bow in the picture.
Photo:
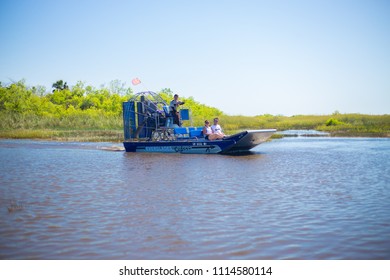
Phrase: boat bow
(246, 140)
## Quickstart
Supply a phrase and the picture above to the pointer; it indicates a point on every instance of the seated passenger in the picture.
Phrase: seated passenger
(208, 133)
(216, 128)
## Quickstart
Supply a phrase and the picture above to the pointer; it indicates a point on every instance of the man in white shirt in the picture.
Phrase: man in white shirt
(216, 128)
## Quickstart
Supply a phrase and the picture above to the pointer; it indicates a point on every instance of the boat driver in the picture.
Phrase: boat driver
(173, 109)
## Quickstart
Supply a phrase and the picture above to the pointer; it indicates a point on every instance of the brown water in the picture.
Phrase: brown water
(296, 198)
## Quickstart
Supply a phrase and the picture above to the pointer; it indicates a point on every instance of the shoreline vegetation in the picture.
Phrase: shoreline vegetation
(87, 114)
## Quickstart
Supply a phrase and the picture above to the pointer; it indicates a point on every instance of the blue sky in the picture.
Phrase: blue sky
(243, 57)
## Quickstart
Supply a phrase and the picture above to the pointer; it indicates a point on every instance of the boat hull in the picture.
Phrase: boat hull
(240, 142)
(249, 139)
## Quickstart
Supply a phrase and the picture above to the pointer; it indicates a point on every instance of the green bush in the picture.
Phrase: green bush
(332, 121)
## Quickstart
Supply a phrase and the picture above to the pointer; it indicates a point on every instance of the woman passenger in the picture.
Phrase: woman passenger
(208, 133)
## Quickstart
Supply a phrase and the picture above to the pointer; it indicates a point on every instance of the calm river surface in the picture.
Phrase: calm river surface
(293, 198)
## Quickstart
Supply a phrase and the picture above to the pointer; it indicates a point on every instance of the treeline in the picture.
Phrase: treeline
(85, 113)
(75, 107)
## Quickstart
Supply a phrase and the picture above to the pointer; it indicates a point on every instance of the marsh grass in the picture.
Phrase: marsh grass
(63, 122)
(65, 135)
(96, 128)
(347, 125)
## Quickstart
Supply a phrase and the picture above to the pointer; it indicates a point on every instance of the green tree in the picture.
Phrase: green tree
(15, 98)
(60, 85)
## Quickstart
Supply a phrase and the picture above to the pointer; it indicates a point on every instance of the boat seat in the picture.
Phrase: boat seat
(196, 133)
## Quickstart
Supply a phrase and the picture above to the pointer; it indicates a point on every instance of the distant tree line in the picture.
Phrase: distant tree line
(84, 107)
(79, 101)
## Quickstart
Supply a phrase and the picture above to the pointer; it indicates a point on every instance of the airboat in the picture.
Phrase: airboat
(148, 127)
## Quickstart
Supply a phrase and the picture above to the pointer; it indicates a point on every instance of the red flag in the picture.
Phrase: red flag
(135, 81)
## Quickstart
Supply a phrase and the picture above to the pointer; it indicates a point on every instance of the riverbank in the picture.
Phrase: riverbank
(64, 135)
(117, 135)
(109, 129)
(84, 113)
(336, 125)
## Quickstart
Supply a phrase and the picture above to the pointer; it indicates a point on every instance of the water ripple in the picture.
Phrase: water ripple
(316, 198)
